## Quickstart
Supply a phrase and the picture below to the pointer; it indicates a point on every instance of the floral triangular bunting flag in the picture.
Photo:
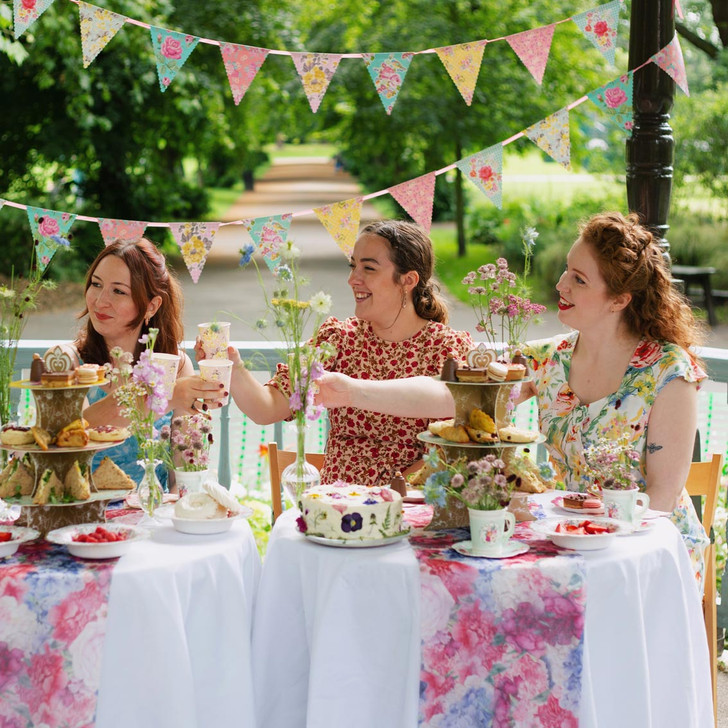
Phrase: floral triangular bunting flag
(552, 135)
(416, 197)
(670, 60)
(462, 62)
(50, 232)
(485, 170)
(616, 98)
(242, 63)
(26, 12)
(387, 71)
(112, 230)
(533, 47)
(269, 235)
(194, 240)
(98, 27)
(601, 26)
(342, 221)
(316, 71)
(171, 50)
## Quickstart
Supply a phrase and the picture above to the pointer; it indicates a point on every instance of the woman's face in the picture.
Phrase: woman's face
(111, 307)
(583, 296)
(377, 298)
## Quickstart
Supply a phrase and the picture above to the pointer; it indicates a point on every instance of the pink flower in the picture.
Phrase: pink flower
(47, 678)
(552, 715)
(614, 97)
(48, 226)
(486, 173)
(171, 48)
(72, 614)
(436, 604)
(601, 28)
(29, 4)
(10, 663)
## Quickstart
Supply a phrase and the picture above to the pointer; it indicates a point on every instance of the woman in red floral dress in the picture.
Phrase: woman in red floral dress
(398, 330)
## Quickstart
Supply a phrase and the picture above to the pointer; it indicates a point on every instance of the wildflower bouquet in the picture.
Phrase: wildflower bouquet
(613, 464)
(190, 440)
(480, 484)
(500, 300)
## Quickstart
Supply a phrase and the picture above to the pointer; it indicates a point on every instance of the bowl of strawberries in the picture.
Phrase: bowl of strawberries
(580, 534)
(97, 540)
(12, 536)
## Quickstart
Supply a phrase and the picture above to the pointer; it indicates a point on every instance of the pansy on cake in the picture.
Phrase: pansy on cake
(349, 512)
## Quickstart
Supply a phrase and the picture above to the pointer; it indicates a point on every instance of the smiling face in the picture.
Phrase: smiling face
(111, 308)
(584, 299)
(377, 296)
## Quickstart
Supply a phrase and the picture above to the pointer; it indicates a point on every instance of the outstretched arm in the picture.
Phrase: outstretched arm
(412, 397)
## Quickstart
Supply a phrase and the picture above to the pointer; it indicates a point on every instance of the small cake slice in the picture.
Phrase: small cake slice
(48, 486)
(581, 501)
(109, 476)
(76, 484)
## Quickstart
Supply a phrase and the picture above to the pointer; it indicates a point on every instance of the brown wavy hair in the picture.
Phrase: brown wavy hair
(411, 249)
(631, 261)
(150, 277)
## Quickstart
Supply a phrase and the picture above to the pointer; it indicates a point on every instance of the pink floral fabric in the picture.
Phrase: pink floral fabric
(502, 641)
(364, 446)
(52, 627)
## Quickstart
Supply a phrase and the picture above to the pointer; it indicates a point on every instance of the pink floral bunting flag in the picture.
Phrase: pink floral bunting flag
(316, 71)
(26, 12)
(50, 232)
(616, 98)
(194, 240)
(600, 27)
(416, 197)
(242, 63)
(387, 71)
(171, 50)
(552, 135)
(533, 48)
(342, 221)
(98, 27)
(112, 230)
(269, 235)
(670, 60)
(485, 170)
(462, 62)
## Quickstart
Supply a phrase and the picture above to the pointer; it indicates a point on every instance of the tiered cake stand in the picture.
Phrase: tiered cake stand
(491, 398)
(57, 407)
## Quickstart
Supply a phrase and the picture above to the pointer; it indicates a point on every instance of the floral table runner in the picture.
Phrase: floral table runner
(502, 640)
(52, 627)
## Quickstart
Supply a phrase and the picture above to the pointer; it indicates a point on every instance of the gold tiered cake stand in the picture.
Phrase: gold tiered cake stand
(492, 398)
(57, 407)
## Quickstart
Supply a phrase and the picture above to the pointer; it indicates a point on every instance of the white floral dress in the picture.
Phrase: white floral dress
(570, 427)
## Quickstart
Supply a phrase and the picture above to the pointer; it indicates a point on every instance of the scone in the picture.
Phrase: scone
(479, 420)
(76, 483)
(109, 476)
(107, 433)
(514, 434)
(72, 438)
(49, 487)
(16, 436)
(481, 436)
(456, 433)
(439, 425)
(42, 437)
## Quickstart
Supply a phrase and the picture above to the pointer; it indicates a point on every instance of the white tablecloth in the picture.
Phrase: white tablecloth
(336, 635)
(177, 646)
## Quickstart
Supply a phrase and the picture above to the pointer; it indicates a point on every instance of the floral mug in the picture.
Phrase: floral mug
(490, 530)
(625, 505)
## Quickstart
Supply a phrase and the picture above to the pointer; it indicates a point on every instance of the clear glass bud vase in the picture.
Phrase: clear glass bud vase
(300, 474)
(149, 489)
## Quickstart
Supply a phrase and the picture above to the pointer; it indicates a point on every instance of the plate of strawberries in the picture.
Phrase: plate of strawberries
(580, 534)
(97, 540)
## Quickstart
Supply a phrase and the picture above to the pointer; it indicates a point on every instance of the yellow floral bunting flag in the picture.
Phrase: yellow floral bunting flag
(342, 221)
(416, 197)
(316, 71)
(98, 27)
(194, 240)
(552, 135)
(533, 47)
(462, 62)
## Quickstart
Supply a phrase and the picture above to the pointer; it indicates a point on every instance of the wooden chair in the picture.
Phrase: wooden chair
(704, 480)
(279, 460)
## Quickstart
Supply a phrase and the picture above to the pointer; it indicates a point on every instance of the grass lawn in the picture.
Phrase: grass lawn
(300, 150)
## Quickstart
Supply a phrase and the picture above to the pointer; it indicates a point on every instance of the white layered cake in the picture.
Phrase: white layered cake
(351, 512)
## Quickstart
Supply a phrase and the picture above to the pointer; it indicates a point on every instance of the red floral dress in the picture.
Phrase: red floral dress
(364, 447)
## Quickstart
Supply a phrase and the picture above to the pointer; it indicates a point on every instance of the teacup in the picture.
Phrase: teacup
(217, 370)
(625, 505)
(215, 337)
(490, 531)
(170, 363)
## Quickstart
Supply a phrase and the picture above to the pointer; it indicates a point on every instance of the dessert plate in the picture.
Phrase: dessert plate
(18, 535)
(559, 503)
(643, 526)
(104, 550)
(512, 548)
(363, 544)
(201, 527)
(414, 495)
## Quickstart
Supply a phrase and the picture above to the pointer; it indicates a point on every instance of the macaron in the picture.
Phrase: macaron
(497, 371)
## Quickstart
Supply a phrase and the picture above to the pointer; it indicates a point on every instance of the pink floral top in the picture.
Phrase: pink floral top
(364, 446)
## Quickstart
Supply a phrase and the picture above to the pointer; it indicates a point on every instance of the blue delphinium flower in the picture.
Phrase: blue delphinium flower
(246, 255)
(435, 488)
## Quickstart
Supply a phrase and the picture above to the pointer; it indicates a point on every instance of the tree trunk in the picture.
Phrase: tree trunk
(720, 18)
(460, 203)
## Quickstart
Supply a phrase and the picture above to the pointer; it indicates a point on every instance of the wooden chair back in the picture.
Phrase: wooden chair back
(278, 461)
(704, 481)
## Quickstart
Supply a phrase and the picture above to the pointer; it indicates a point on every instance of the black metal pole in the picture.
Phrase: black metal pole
(649, 153)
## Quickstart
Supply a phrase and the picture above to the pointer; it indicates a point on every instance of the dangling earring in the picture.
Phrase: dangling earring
(404, 300)
(146, 320)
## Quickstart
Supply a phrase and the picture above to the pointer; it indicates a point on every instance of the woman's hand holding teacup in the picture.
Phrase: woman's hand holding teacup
(188, 391)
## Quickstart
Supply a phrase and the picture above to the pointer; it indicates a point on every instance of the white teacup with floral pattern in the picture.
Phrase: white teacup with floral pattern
(490, 530)
(625, 505)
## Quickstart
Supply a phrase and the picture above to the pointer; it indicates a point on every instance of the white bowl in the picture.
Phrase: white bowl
(19, 535)
(208, 526)
(579, 542)
(108, 550)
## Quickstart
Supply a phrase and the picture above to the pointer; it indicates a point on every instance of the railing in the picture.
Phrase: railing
(713, 413)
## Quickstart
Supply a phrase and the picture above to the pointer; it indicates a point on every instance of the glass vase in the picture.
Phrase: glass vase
(150, 490)
(300, 474)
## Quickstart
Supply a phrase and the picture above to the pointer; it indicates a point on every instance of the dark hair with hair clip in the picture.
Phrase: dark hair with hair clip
(411, 250)
(149, 278)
